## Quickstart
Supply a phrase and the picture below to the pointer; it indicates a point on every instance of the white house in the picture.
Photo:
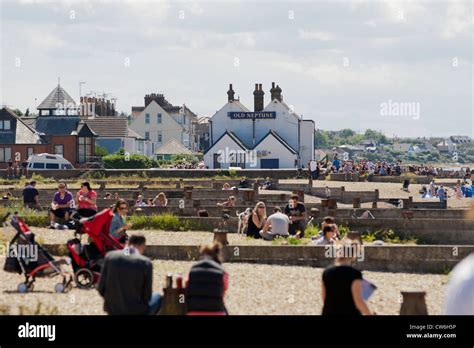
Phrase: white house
(160, 122)
(114, 133)
(273, 136)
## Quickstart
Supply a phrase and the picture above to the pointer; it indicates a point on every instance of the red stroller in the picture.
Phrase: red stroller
(27, 257)
(87, 259)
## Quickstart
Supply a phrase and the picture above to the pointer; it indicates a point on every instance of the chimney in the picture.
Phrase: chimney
(258, 97)
(276, 92)
(147, 99)
(230, 93)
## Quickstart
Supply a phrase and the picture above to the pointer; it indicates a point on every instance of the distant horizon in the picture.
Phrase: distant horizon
(403, 68)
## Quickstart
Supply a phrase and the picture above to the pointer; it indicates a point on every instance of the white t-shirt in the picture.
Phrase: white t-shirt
(312, 166)
(460, 290)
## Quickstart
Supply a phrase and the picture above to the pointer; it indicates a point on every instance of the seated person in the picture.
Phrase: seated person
(277, 224)
(328, 236)
(230, 202)
(244, 183)
(267, 185)
(108, 195)
(118, 227)
(140, 202)
(61, 205)
(207, 283)
(296, 211)
(160, 200)
(86, 200)
(329, 220)
(226, 187)
(126, 281)
(31, 195)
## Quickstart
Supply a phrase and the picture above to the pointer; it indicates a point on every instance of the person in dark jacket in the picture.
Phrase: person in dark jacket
(126, 281)
(207, 283)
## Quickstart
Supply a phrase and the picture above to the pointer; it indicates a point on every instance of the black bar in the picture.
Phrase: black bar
(290, 330)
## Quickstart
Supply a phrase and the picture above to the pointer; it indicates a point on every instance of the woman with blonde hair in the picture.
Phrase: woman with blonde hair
(207, 283)
(257, 220)
(160, 200)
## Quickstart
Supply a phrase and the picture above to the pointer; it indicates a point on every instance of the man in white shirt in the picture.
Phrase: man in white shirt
(277, 225)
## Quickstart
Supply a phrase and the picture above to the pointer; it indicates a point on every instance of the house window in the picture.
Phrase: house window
(147, 135)
(59, 150)
(147, 118)
(5, 154)
(84, 149)
(158, 118)
(30, 151)
(184, 119)
(140, 146)
(159, 137)
(5, 125)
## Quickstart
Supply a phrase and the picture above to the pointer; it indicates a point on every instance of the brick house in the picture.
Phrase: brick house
(58, 129)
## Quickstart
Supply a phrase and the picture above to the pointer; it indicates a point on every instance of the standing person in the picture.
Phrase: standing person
(296, 211)
(336, 163)
(118, 227)
(257, 220)
(86, 200)
(277, 224)
(31, 195)
(441, 194)
(432, 189)
(313, 168)
(458, 191)
(342, 284)
(126, 281)
(61, 204)
(207, 283)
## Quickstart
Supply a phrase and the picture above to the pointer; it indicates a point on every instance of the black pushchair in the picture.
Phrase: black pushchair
(25, 256)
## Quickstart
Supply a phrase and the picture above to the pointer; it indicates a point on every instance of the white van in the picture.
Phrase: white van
(46, 161)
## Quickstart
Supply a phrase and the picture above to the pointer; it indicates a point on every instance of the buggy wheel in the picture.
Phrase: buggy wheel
(59, 288)
(84, 278)
(22, 288)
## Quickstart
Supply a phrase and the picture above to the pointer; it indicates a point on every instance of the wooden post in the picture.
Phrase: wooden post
(221, 236)
(173, 301)
(102, 186)
(356, 202)
(332, 203)
(374, 205)
(413, 303)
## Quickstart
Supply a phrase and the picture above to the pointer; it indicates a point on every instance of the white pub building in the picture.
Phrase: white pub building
(273, 136)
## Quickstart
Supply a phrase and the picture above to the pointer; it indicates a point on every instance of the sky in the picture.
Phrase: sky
(402, 67)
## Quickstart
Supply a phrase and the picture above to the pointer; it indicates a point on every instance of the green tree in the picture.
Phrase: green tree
(18, 112)
(101, 151)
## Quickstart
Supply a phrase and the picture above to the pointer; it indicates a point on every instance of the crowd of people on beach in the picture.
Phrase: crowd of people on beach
(127, 275)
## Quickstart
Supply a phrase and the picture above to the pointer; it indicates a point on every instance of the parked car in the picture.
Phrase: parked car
(46, 161)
